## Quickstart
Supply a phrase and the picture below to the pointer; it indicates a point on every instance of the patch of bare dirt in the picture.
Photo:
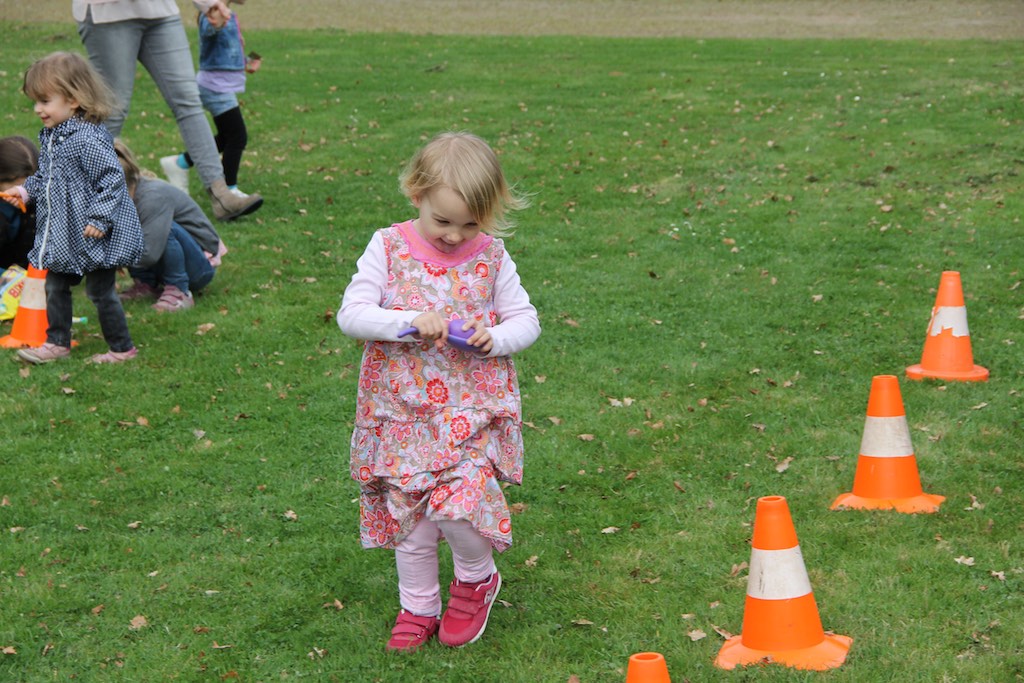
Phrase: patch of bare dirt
(884, 19)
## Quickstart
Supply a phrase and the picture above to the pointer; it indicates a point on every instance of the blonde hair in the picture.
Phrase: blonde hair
(467, 165)
(69, 74)
(132, 172)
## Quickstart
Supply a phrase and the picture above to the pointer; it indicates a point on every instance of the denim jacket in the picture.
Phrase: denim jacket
(221, 50)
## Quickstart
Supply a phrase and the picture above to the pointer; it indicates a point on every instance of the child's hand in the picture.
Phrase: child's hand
(93, 231)
(252, 64)
(218, 14)
(481, 338)
(432, 326)
(14, 200)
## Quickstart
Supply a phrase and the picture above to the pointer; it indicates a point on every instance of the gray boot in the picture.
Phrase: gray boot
(228, 206)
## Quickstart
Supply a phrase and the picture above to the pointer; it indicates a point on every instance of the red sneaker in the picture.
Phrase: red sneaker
(411, 632)
(469, 605)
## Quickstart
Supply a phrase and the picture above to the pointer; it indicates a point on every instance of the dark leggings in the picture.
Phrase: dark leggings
(231, 140)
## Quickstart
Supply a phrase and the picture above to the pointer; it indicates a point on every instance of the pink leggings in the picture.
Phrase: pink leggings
(419, 588)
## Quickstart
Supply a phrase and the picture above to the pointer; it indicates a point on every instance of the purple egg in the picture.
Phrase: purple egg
(457, 336)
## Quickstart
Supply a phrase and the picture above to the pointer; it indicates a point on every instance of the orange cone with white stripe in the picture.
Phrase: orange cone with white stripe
(887, 477)
(780, 620)
(647, 667)
(29, 329)
(947, 348)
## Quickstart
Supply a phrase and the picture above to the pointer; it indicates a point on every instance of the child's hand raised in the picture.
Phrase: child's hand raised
(14, 200)
(218, 14)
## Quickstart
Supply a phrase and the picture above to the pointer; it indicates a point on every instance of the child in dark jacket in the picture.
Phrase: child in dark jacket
(87, 224)
(19, 159)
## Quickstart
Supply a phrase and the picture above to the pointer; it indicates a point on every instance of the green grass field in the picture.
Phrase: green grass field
(728, 240)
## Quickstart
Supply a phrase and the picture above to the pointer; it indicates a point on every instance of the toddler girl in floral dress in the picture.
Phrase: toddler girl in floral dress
(438, 428)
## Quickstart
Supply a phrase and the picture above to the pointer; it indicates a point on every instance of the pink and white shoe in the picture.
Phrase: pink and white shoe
(114, 356)
(47, 353)
(469, 605)
(173, 299)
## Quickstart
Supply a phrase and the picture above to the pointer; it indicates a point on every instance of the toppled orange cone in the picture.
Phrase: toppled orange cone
(780, 620)
(887, 477)
(947, 348)
(29, 328)
(647, 667)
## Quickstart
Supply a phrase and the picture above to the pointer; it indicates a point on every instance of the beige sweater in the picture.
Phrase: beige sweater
(109, 11)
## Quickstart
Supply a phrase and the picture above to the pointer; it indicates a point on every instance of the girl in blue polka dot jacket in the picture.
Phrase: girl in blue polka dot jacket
(86, 224)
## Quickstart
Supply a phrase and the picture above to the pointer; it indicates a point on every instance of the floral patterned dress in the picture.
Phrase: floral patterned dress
(436, 430)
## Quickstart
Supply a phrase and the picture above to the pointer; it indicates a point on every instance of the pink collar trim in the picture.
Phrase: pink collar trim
(422, 250)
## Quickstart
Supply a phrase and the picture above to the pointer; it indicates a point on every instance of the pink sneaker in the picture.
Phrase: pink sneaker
(47, 353)
(469, 605)
(173, 299)
(411, 632)
(139, 290)
(115, 356)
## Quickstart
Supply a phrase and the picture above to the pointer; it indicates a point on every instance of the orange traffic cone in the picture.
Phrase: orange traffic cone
(780, 619)
(947, 348)
(647, 667)
(30, 324)
(887, 477)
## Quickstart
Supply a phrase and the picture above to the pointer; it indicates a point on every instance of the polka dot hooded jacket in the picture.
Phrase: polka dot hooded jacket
(80, 182)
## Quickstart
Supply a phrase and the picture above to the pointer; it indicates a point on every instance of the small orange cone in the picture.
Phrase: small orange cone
(780, 620)
(947, 348)
(887, 477)
(647, 667)
(30, 324)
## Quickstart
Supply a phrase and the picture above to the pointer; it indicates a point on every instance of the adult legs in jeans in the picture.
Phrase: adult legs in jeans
(162, 47)
(58, 307)
(183, 264)
(101, 290)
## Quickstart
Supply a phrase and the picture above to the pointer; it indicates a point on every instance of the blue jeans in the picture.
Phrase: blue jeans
(183, 265)
(101, 290)
(161, 45)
